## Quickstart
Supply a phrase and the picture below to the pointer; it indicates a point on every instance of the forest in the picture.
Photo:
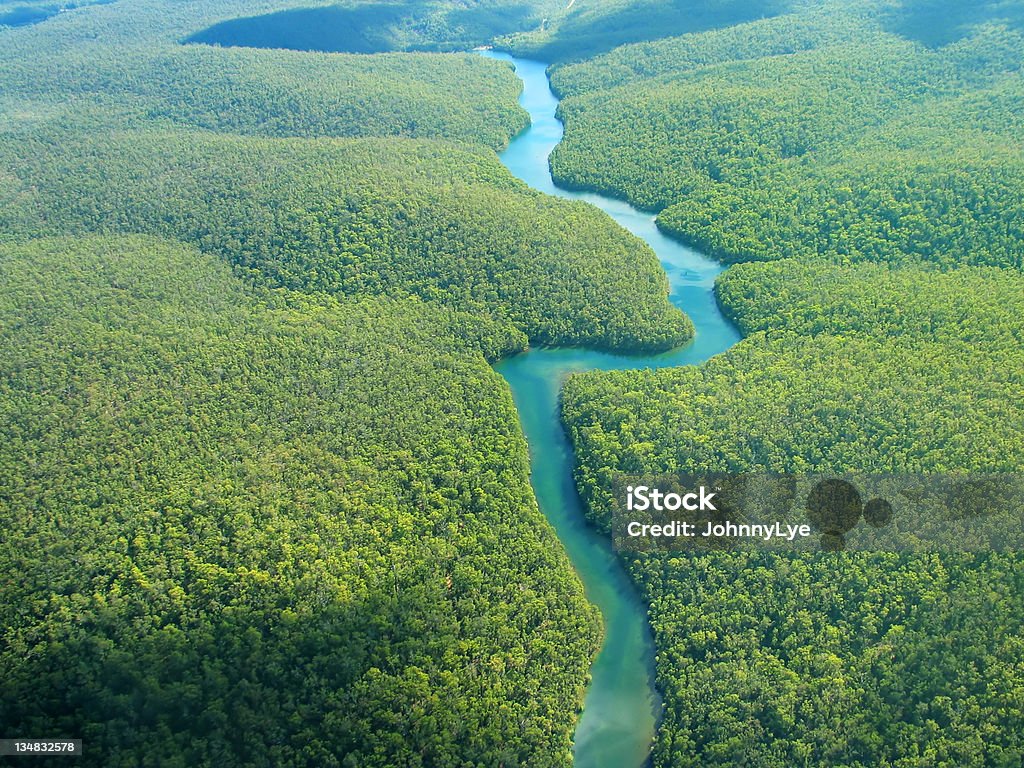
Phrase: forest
(264, 500)
(362, 217)
(264, 93)
(585, 30)
(267, 528)
(861, 164)
(818, 135)
(379, 27)
(860, 659)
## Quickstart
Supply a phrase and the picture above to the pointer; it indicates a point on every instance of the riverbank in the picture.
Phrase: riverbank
(622, 706)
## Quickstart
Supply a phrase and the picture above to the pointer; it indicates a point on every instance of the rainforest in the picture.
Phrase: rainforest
(329, 328)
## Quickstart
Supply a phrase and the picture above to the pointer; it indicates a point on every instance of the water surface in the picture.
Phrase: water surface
(621, 707)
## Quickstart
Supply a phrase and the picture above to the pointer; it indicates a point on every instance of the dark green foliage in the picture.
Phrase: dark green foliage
(106, 66)
(362, 29)
(359, 218)
(24, 15)
(820, 136)
(937, 23)
(264, 502)
(586, 29)
(859, 146)
(807, 30)
(859, 660)
(377, 27)
(413, 24)
(244, 527)
(279, 515)
(785, 403)
(771, 660)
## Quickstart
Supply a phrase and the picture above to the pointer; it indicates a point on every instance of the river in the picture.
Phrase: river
(622, 706)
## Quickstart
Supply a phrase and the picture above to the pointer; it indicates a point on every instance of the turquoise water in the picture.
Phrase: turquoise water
(621, 707)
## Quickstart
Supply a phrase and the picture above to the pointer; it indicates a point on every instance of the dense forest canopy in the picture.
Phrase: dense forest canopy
(980, 306)
(266, 93)
(257, 478)
(585, 28)
(266, 501)
(860, 659)
(358, 217)
(817, 134)
(267, 529)
(865, 160)
(377, 27)
(937, 23)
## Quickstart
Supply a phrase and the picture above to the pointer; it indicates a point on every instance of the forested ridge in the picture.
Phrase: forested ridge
(377, 27)
(358, 218)
(580, 30)
(864, 161)
(977, 306)
(267, 93)
(124, 63)
(264, 500)
(856, 660)
(860, 659)
(267, 529)
(816, 135)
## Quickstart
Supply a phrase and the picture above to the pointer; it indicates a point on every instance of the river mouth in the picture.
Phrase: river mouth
(622, 707)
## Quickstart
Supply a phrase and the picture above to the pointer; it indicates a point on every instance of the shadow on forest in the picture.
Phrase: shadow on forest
(27, 15)
(940, 22)
(251, 682)
(585, 32)
(370, 28)
(363, 29)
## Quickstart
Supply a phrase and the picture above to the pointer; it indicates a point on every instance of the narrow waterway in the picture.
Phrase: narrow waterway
(621, 707)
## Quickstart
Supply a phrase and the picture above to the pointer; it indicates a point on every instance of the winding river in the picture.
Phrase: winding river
(621, 707)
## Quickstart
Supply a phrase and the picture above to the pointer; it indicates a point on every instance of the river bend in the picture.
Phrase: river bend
(620, 712)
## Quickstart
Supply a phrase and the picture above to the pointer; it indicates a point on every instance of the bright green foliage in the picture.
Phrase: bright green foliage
(358, 217)
(825, 137)
(783, 403)
(822, 660)
(813, 135)
(248, 527)
(277, 513)
(264, 501)
(268, 93)
(811, 28)
(859, 660)
(982, 307)
(125, 64)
